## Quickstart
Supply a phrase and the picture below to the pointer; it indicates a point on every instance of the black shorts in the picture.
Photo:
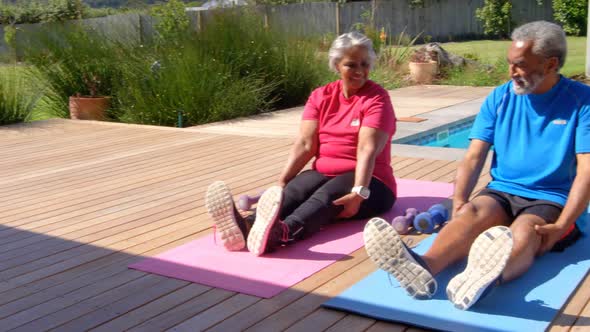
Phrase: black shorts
(515, 205)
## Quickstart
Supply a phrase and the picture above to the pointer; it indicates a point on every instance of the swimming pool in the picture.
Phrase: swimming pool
(450, 136)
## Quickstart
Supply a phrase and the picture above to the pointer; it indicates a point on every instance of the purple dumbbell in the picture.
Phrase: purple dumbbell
(402, 223)
(245, 202)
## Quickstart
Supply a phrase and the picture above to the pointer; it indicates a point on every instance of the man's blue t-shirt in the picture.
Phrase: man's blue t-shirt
(536, 138)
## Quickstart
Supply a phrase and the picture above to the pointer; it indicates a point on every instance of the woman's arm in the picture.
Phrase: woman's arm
(371, 142)
(304, 148)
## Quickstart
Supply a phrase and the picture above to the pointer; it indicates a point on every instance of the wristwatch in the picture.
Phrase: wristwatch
(364, 192)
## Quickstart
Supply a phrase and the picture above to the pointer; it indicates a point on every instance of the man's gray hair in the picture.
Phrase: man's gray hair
(345, 42)
(548, 39)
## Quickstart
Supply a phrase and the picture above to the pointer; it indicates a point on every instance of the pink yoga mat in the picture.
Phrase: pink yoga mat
(204, 262)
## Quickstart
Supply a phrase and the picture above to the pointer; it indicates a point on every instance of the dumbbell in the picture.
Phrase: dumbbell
(425, 222)
(402, 223)
(245, 202)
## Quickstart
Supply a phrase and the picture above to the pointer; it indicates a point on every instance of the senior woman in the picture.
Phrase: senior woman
(347, 127)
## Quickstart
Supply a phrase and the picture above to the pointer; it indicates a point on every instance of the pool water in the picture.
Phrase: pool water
(451, 136)
(459, 139)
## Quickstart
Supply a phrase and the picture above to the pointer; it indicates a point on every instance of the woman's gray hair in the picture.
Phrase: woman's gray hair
(548, 39)
(344, 43)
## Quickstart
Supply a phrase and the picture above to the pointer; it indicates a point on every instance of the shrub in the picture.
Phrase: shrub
(186, 80)
(74, 61)
(17, 100)
(474, 75)
(572, 14)
(496, 16)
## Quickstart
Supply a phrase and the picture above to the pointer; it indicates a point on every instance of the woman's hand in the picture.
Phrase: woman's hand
(351, 203)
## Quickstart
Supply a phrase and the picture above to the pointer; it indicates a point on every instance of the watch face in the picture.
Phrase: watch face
(364, 192)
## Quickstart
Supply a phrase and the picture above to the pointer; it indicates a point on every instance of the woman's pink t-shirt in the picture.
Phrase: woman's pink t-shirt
(339, 121)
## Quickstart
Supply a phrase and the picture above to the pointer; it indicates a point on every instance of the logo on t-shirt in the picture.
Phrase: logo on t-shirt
(559, 121)
(355, 123)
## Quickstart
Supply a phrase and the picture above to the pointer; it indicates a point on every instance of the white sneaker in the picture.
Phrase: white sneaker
(267, 215)
(387, 250)
(487, 259)
(220, 206)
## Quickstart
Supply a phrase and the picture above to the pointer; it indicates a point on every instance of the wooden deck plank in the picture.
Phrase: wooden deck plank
(387, 327)
(217, 313)
(267, 307)
(140, 165)
(352, 323)
(304, 306)
(153, 308)
(576, 313)
(65, 266)
(319, 320)
(184, 311)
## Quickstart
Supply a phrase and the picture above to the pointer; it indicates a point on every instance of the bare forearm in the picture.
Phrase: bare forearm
(467, 175)
(300, 155)
(364, 167)
(577, 201)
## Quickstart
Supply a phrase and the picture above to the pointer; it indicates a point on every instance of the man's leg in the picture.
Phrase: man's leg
(414, 272)
(526, 243)
(455, 239)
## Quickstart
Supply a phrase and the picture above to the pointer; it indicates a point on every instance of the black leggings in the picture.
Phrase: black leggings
(307, 201)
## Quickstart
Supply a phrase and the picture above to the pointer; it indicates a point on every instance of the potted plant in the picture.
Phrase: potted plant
(423, 66)
(92, 106)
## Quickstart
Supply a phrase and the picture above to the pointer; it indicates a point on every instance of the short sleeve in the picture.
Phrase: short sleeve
(379, 114)
(485, 121)
(311, 110)
(583, 130)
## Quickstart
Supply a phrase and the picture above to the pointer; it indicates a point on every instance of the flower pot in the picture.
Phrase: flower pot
(89, 108)
(423, 72)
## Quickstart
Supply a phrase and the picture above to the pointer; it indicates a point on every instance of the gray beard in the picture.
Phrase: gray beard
(529, 86)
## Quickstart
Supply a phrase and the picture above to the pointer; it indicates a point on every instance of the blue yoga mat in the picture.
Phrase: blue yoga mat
(529, 303)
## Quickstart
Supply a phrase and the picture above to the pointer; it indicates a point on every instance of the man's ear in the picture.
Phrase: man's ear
(552, 65)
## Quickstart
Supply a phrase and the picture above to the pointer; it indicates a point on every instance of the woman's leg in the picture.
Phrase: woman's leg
(318, 210)
(299, 189)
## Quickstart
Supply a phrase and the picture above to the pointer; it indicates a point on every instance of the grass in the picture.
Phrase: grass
(493, 51)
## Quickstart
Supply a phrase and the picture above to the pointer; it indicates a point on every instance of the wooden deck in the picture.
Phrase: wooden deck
(82, 200)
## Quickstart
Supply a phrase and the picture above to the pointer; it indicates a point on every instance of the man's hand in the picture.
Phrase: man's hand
(457, 206)
(351, 203)
(550, 234)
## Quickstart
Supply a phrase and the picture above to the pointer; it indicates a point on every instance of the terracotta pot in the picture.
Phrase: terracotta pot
(423, 72)
(89, 108)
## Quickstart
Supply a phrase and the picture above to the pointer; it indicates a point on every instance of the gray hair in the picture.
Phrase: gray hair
(345, 42)
(548, 39)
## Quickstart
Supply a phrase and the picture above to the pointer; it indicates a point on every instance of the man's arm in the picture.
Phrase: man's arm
(468, 172)
(577, 202)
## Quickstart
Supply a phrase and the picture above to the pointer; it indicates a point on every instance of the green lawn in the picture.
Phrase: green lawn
(490, 51)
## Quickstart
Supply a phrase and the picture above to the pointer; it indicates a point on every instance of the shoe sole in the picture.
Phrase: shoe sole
(487, 259)
(267, 213)
(220, 206)
(386, 249)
